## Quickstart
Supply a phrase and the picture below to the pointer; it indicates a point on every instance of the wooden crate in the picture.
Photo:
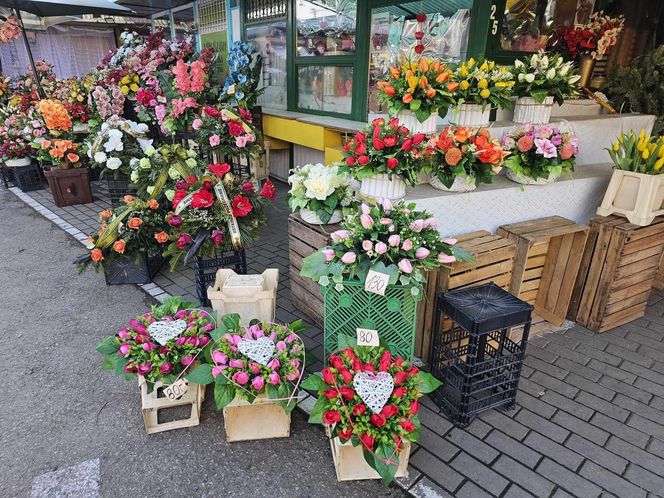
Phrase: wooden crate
(494, 256)
(659, 278)
(262, 419)
(548, 255)
(350, 464)
(303, 240)
(251, 302)
(152, 402)
(617, 273)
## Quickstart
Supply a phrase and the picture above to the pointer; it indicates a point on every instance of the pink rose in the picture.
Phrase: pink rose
(367, 245)
(273, 364)
(197, 123)
(219, 357)
(385, 221)
(394, 240)
(166, 368)
(214, 140)
(422, 253)
(431, 223)
(349, 258)
(240, 377)
(445, 258)
(405, 266)
(254, 367)
(258, 383)
(381, 247)
(328, 253)
(407, 245)
(274, 378)
(236, 363)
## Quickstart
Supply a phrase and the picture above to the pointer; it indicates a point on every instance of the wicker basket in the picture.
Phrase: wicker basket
(526, 180)
(312, 218)
(461, 183)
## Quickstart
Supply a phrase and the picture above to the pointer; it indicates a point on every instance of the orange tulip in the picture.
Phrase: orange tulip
(431, 93)
(424, 65)
(424, 82)
(389, 90)
(435, 66)
(395, 72)
(382, 84)
(407, 98)
(128, 198)
(443, 77)
(452, 86)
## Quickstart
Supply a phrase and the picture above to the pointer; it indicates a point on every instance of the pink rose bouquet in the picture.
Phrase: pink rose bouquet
(228, 132)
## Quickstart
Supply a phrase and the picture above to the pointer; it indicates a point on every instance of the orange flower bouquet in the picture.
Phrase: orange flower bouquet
(56, 118)
(461, 158)
(62, 154)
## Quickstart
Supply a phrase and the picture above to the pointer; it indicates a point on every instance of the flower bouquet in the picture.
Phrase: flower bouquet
(241, 86)
(462, 158)
(5, 82)
(60, 154)
(541, 79)
(104, 102)
(319, 192)
(417, 92)
(56, 118)
(15, 148)
(10, 29)
(539, 154)
(481, 86)
(369, 401)
(229, 133)
(383, 156)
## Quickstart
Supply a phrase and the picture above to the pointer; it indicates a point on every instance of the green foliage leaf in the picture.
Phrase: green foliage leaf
(385, 461)
(428, 383)
(316, 416)
(346, 341)
(314, 266)
(314, 383)
(202, 375)
(223, 394)
(231, 321)
(415, 104)
(109, 345)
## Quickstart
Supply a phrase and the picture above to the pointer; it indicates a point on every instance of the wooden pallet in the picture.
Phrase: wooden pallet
(547, 260)
(303, 240)
(617, 272)
(494, 257)
(154, 401)
(262, 419)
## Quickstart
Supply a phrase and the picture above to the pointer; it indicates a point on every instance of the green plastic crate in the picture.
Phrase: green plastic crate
(394, 315)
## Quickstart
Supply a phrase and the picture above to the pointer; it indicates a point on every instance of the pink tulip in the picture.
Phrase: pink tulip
(236, 363)
(417, 225)
(141, 329)
(422, 253)
(216, 371)
(124, 348)
(219, 357)
(407, 245)
(367, 221)
(274, 378)
(295, 363)
(291, 337)
(281, 346)
(444, 258)
(349, 258)
(405, 266)
(273, 364)
(273, 336)
(365, 209)
(123, 334)
(258, 383)
(450, 241)
(385, 221)
(181, 314)
(166, 368)
(328, 253)
(340, 235)
(394, 240)
(387, 205)
(187, 361)
(203, 340)
(130, 367)
(381, 247)
(431, 223)
(367, 245)
(240, 377)
(193, 340)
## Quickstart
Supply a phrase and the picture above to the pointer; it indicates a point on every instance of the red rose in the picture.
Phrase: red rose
(419, 49)
(378, 144)
(413, 371)
(392, 162)
(360, 137)
(330, 393)
(235, 128)
(349, 353)
(407, 425)
(347, 392)
(345, 435)
(212, 112)
(328, 376)
(219, 169)
(399, 361)
(390, 140)
(418, 137)
(378, 122)
(400, 377)
(363, 160)
(202, 199)
(399, 392)
(336, 362)
(359, 410)
(389, 410)
(385, 361)
(394, 123)
(378, 420)
(421, 17)
(407, 145)
(241, 206)
(346, 376)
(414, 407)
(360, 149)
(191, 180)
(269, 191)
(350, 161)
(368, 367)
(357, 365)
(403, 130)
(367, 441)
(330, 417)
(207, 185)
(177, 198)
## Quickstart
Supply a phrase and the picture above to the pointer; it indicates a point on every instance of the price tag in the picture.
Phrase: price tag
(376, 282)
(367, 337)
(231, 90)
(176, 390)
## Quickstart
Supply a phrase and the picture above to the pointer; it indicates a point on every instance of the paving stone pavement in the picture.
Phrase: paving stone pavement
(589, 419)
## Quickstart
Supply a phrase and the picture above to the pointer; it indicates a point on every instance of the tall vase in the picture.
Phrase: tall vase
(586, 68)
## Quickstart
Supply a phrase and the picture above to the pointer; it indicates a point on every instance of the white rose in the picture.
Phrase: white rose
(113, 163)
(150, 151)
(530, 78)
(173, 173)
(191, 162)
(144, 163)
(169, 194)
(144, 144)
(134, 176)
(318, 188)
(521, 77)
(100, 157)
(150, 189)
(551, 73)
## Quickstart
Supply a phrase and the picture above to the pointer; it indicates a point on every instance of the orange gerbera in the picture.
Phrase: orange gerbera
(119, 246)
(135, 223)
(453, 156)
(96, 254)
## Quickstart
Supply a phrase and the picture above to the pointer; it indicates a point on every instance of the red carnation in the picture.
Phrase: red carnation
(367, 441)
(219, 169)
(179, 195)
(330, 393)
(390, 140)
(336, 362)
(328, 376)
(345, 435)
(235, 128)
(414, 407)
(399, 392)
(202, 199)
(359, 410)
(241, 206)
(330, 417)
(347, 392)
(389, 410)
(407, 425)
(378, 420)
(363, 160)
(400, 377)
(269, 191)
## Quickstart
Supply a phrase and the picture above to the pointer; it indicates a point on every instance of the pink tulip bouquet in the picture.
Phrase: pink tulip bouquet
(159, 353)
(262, 360)
(391, 239)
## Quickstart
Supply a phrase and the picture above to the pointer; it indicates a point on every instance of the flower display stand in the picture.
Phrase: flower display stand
(262, 419)
(126, 270)
(471, 115)
(69, 186)
(393, 315)
(118, 187)
(304, 240)
(617, 273)
(493, 260)
(636, 196)
(152, 403)
(250, 296)
(350, 464)
(408, 119)
(548, 256)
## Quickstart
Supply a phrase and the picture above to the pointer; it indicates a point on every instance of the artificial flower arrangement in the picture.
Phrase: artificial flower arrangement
(468, 154)
(134, 350)
(129, 85)
(483, 83)
(4, 88)
(240, 370)
(384, 147)
(640, 154)
(319, 192)
(25, 89)
(544, 75)
(56, 118)
(219, 212)
(593, 38)
(241, 86)
(393, 239)
(147, 100)
(10, 29)
(60, 153)
(539, 153)
(15, 136)
(419, 86)
(228, 132)
(134, 229)
(383, 426)
(104, 102)
(117, 144)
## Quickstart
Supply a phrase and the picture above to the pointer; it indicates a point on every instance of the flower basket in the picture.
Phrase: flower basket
(350, 464)
(250, 296)
(527, 110)
(153, 402)
(69, 186)
(393, 315)
(205, 270)
(262, 419)
(409, 120)
(383, 187)
(471, 115)
(27, 178)
(312, 218)
(125, 269)
(21, 161)
(461, 184)
(639, 197)
(526, 180)
(118, 187)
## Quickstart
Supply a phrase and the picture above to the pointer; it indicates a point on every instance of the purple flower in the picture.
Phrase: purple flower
(166, 368)
(545, 148)
(556, 140)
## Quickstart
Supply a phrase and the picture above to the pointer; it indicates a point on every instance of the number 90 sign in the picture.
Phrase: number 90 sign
(376, 282)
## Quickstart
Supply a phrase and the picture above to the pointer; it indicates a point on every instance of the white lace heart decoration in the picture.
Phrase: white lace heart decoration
(374, 390)
(260, 350)
(164, 331)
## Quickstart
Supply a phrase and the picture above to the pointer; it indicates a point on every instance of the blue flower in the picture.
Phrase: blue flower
(242, 78)
(239, 95)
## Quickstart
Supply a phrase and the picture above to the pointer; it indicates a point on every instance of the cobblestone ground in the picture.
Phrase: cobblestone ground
(589, 419)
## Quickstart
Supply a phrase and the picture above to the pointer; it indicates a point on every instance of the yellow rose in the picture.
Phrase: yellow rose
(125, 89)
(136, 78)
(463, 72)
(464, 85)
(483, 83)
(125, 80)
(134, 87)
(485, 93)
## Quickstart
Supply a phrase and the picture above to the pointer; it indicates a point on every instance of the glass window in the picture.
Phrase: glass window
(326, 88)
(270, 40)
(325, 27)
(185, 25)
(527, 26)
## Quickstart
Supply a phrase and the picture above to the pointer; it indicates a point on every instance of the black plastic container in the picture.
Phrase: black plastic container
(205, 270)
(118, 187)
(126, 270)
(27, 178)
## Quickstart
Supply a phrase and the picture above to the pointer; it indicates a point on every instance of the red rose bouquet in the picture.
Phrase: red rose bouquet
(382, 418)
(384, 147)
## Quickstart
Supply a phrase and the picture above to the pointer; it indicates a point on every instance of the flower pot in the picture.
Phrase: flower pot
(152, 402)
(250, 296)
(69, 186)
(586, 68)
(350, 464)
(262, 419)
(471, 115)
(526, 180)
(312, 218)
(409, 120)
(125, 269)
(21, 161)
(382, 187)
(636, 196)
(527, 110)
(461, 183)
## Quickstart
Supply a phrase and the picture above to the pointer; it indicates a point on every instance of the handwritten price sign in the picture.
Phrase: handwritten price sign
(176, 390)
(367, 337)
(376, 282)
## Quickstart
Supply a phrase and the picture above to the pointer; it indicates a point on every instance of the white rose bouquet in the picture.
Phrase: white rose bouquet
(544, 75)
(319, 192)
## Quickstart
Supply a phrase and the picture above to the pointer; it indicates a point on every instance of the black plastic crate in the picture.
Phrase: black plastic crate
(205, 270)
(479, 359)
(27, 178)
(127, 270)
(118, 187)
(240, 165)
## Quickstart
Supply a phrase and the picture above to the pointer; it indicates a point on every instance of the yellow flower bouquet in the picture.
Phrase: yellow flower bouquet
(640, 154)
(484, 83)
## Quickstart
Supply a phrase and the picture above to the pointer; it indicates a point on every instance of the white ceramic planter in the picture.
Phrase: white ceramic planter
(312, 218)
(461, 184)
(380, 187)
(527, 110)
(525, 180)
(410, 121)
(636, 196)
(15, 163)
(471, 115)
